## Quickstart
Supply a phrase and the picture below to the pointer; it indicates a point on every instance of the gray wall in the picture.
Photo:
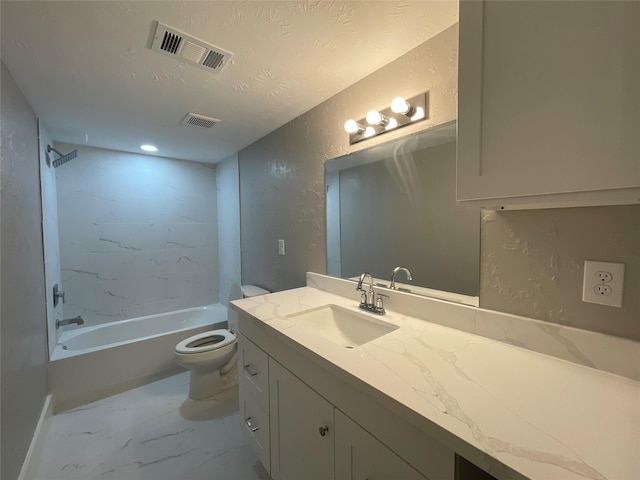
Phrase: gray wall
(23, 326)
(532, 264)
(386, 221)
(531, 261)
(138, 234)
(282, 174)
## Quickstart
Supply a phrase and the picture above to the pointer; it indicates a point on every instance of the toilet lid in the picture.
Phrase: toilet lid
(206, 341)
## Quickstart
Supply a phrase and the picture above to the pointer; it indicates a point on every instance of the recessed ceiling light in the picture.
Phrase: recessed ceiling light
(149, 148)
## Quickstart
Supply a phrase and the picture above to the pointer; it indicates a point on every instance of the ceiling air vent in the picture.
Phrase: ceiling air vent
(195, 120)
(189, 49)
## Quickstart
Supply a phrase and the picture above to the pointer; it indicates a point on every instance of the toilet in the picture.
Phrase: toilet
(211, 356)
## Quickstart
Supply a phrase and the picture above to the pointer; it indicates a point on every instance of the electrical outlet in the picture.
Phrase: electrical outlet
(602, 289)
(603, 283)
(604, 277)
(280, 247)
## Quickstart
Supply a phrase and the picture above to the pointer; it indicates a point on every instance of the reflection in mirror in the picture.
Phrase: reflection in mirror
(394, 205)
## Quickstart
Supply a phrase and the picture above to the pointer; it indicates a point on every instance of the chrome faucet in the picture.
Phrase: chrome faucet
(393, 276)
(67, 321)
(368, 300)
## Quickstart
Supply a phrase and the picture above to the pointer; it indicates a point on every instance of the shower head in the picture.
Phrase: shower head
(63, 158)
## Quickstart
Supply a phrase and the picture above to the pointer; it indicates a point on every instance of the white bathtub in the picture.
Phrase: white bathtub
(94, 362)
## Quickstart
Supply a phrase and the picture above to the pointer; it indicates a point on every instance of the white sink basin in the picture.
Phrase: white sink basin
(342, 326)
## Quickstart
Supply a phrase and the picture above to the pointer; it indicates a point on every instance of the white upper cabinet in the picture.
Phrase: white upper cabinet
(549, 103)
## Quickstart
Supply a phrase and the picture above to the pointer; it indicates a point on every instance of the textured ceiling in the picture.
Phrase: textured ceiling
(87, 70)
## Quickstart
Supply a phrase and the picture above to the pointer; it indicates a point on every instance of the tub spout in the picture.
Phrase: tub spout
(67, 321)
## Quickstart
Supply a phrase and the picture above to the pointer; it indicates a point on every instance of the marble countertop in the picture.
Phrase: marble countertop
(543, 417)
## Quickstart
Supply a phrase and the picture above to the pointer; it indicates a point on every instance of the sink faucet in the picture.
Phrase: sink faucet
(67, 321)
(368, 300)
(395, 272)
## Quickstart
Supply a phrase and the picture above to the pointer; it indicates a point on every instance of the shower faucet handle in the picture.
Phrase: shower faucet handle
(57, 295)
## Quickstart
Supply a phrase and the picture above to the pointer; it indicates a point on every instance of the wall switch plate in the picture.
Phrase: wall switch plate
(280, 247)
(603, 283)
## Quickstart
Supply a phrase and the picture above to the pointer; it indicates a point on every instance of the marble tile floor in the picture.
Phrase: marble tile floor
(150, 432)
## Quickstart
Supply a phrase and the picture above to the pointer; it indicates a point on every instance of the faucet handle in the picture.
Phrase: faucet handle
(380, 302)
(363, 298)
(57, 295)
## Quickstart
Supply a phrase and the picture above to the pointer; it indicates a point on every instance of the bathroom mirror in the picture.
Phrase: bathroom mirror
(394, 204)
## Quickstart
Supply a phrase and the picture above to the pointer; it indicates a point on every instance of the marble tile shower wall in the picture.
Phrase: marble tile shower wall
(138, 234)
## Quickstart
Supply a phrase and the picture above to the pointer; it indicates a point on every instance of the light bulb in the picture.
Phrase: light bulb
(393, 123)
(374, 117)
(400, 105)
(369, 132)
(149, 148)
(419, 114)
(351, 126)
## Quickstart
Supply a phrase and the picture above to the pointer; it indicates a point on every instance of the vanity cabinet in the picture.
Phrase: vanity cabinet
(302, 434)
(253, 385)
(548, 104)
(360, 456)
(302, 429)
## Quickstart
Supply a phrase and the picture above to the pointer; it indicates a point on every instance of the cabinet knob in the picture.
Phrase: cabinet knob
(323, 431)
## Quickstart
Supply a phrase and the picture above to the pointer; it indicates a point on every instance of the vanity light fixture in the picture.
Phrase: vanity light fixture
(351, 126)
(391, 124)
(418, 115)
(402, 112)
(149, 148)
(374, 117)
(400, 105)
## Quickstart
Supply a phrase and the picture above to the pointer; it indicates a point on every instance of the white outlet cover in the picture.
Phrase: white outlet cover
(591, 280)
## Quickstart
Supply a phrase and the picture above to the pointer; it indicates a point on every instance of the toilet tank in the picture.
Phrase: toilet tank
(244, 291)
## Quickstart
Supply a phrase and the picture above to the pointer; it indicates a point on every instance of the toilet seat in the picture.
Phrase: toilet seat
(206, 341)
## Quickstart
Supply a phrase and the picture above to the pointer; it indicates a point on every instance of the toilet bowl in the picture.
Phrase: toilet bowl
(211, 357)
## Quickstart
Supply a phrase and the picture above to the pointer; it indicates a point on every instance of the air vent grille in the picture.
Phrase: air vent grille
(189, 49)
(170, 43)
(196, 120)
(213, 60)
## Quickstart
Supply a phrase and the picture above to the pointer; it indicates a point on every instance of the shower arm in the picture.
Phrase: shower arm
(62, 159)
(51, 149)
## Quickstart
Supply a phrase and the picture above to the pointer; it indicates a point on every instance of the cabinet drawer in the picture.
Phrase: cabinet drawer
(254, 422)
(254, 371)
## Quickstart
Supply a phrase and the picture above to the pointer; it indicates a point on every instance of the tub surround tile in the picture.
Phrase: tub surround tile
(485, 398)
(190, 235)
(136, 232)
(50, 237)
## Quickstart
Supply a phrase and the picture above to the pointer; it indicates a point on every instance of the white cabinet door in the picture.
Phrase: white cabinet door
(302, 436)
(360, 456)
(549, 103)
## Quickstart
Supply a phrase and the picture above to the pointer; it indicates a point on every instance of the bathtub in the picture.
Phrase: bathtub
(94, 362)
